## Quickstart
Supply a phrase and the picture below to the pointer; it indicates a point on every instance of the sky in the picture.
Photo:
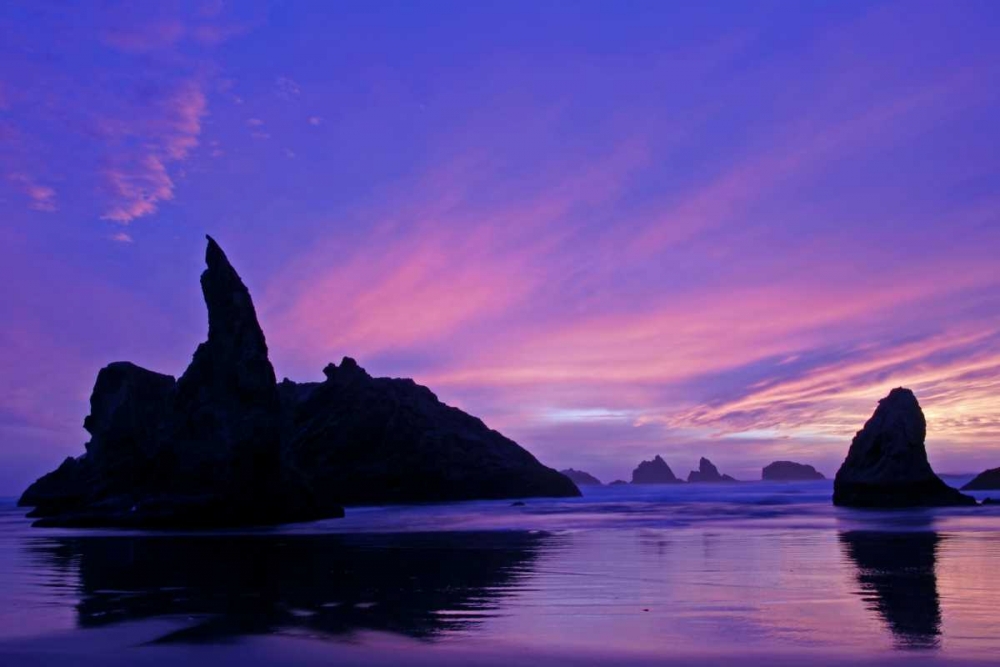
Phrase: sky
(610, 230)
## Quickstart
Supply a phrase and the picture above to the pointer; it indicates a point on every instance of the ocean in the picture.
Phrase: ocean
(750, 573)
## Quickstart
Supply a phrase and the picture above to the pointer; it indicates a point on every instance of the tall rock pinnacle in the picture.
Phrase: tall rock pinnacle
(236, 344)
(887, 465)
(228, 394)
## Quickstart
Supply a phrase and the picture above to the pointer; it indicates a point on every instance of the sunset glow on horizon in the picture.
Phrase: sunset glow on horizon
(678, 231)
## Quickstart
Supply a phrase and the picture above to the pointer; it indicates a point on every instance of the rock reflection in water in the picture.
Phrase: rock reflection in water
(418, 585)
(896, 579)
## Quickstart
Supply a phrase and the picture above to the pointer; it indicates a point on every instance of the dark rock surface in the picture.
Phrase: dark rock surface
(887, 465)
(365, 440)
(707, 472)
(618, 482)
(988, 480)
(789, 471)
(225, 445)
(580, 477)
(654, 472)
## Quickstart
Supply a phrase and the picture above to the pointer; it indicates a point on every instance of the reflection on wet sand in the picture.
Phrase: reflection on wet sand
(418, 585)
(896, 579)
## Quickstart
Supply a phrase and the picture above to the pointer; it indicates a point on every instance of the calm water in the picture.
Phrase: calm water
(693, 574)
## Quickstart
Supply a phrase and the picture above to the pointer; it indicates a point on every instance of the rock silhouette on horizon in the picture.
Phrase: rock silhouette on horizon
(707, 472)
(654, 472)
(225, 445)
(887, 465)
(581, 478)
(988, 480)
(789, 471)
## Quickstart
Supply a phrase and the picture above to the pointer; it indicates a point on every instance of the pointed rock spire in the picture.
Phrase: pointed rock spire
(236, 349)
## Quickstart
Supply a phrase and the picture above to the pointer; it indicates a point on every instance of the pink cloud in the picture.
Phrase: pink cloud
(138, 179)
(42, 197)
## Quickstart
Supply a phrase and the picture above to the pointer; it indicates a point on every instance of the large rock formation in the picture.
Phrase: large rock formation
(654, 472)
(887, 465)
(581, 478)
(707, 472)
(789, 471)
(226, 445)
(364, 440)
(987, 480)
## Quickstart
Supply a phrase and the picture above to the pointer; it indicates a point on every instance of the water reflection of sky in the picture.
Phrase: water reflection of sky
(757, 568)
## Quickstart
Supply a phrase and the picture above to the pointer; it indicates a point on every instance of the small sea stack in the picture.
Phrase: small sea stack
(887, 465)
(581, 478)
(654, 472)
(707, 472)
(988, 480)
(789, 471)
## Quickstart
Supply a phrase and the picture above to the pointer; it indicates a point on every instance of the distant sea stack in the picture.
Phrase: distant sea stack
(707, 472)
(654, 472)
(225, 445)
(789, 471)
(581, 478)
(988, 480)
(887, 465)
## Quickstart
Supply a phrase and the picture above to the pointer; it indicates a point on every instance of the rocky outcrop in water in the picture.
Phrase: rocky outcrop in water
(987, 480)
(225, 445)
(618, 482)
(581, 478)
(789, 471)
(654, 472)
(364, 440)
(707, 472)
(887, 465)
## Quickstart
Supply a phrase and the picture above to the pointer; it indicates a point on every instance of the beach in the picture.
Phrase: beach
(765, 573)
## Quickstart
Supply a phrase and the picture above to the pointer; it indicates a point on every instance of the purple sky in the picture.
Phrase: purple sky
(722, 230)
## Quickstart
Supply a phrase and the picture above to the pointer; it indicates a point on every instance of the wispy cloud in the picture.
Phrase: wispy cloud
(42, 197)
(138, 179)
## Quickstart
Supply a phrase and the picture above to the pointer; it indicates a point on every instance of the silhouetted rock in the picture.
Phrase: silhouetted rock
(365, 440)
(581, 478)
(707, 472)
(984, 481)
(225, 445)
(789, 471)
(887, 466)
(654, 472)
(201, 451)
(618, 482)
(990, 501)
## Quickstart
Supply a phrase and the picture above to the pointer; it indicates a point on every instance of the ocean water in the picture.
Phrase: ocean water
(758, 573)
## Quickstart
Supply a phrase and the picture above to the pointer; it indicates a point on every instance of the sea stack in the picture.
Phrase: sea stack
(987, 480)
(654, 472)
(707, 472)
(225, 445)
(789, 471)
(581, 478)
(887, 465)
